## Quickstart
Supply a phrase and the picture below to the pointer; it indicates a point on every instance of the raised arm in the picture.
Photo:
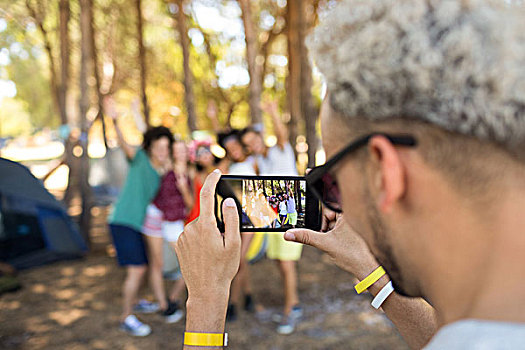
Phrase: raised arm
(414, 318)
(184, 186)
(280, 130)
(111, 111)
(212, 114)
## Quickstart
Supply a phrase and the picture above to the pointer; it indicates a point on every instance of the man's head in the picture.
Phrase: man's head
(231, 143)
(450, 74)
(252, 140)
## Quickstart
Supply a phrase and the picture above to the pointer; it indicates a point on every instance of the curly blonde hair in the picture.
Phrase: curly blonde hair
(458, 65)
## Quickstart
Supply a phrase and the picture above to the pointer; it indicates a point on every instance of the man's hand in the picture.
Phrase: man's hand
(346, 248)
(208, 259)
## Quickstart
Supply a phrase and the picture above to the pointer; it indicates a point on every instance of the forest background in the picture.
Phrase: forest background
(165, 62)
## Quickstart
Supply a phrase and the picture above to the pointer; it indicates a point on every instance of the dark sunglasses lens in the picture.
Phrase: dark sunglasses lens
(331, 192)
(327, 187)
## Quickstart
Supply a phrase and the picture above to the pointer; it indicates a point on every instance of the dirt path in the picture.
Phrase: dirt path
(74, 305)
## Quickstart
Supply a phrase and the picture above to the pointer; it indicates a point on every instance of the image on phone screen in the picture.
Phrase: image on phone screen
(269, 203)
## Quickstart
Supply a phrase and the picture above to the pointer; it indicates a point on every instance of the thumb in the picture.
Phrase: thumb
(232, 236)
(308, 237)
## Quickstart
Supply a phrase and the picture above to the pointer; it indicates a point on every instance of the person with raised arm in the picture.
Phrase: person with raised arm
(164, 221)
(279, 160)
(146, 165)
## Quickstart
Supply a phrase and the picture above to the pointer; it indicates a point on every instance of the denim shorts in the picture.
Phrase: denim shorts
(129, 245)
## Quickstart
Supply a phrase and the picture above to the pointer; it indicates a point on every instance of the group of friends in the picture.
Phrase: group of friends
(284, 205)
(161, 195)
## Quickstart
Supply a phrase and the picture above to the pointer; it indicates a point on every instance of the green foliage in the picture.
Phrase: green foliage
(28, 69)
(14, 120)
(217, 52)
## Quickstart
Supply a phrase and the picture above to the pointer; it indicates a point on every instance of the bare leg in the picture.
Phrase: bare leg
(130, 288)
(289, 275)
(156, 261)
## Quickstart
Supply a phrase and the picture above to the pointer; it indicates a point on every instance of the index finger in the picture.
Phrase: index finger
(207, 195)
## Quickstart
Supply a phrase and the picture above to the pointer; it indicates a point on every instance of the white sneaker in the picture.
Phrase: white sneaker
(133, 326)
(146, 307)
(175, 317)
(287, 325)
(173, 313)
(296, 313)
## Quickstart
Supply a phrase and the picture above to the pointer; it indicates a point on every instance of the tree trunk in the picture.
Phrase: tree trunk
(189, 96)
(255, 68)
(64, 16)
(94, 63)
(63, 88)
(85, 69)
(293, 14)
(307, 107)
(298, 196)
(142, 63)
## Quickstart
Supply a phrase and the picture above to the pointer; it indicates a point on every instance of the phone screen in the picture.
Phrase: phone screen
(269, 203)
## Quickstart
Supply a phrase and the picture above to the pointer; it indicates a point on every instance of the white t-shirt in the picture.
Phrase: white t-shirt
(282, 208)
(247, 167)
(278, 161)
(479, 334)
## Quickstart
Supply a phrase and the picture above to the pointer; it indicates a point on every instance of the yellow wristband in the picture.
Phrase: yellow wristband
(205, 339)
(369, 280)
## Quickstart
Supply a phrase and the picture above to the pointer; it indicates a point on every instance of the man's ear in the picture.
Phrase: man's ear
(390, 182)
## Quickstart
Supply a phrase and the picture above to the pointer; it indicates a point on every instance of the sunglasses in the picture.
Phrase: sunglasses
(321, 180)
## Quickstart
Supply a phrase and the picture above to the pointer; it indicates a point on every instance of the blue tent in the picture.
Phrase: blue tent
(35, 229)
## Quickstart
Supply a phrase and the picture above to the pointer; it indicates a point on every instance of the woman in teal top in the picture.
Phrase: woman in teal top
(146, 165)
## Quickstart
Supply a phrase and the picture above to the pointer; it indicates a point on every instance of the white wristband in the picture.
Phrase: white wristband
(382, 295)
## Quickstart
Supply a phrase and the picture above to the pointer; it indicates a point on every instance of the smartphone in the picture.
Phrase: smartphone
(269, 203)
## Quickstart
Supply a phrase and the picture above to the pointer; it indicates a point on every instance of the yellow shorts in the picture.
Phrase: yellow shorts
(279, 249)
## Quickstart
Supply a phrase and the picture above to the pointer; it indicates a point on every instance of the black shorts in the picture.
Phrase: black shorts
(129, 245)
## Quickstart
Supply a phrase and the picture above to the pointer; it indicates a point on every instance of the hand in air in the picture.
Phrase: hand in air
(211, 109)
(345, 247)
(109, 107)
(208, 259)
(182, 182)
(270, 106)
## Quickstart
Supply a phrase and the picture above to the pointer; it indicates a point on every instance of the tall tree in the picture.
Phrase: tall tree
(59, 87)
(189, 96)
(64, 16)
(293, 82)
(85, 71)
(307, 104)
(255, 66)
(96, 73)
(300, 17)
(63, 89)
(142, 61)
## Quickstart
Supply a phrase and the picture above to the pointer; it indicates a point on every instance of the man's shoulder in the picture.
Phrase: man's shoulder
(473, 334)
